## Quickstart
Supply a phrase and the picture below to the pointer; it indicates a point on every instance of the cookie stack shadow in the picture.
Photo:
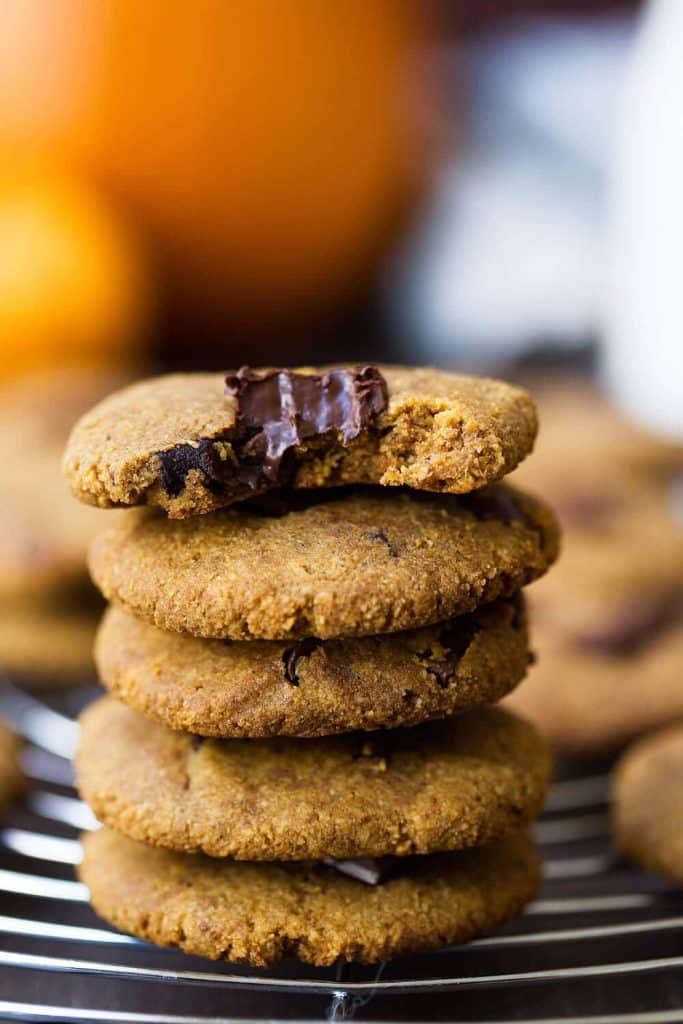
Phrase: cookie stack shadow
(298, 753)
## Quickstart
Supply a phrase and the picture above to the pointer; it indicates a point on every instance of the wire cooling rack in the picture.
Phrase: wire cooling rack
(603, 943)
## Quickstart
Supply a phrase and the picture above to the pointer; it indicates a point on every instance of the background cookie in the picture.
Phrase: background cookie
(440, 786)
(44, 534)
(608, 625)
(47, 643)
(648, 802)
(11, 776)
(169, 441)
(349, 564)
(258, 913)
(585, 702)
(309, 687)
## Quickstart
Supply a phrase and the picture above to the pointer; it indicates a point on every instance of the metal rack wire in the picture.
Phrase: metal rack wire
(602, 943)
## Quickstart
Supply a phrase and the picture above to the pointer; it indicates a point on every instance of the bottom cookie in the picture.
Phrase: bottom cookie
(258, 913)
(648, 805)
(11, 777)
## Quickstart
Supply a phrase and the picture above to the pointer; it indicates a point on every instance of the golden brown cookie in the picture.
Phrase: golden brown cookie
(311, 687)
(48, 643)
(191, 443)
(348, 564)
(11, 776)
(648, 802)
(258, 913)
(441, 786)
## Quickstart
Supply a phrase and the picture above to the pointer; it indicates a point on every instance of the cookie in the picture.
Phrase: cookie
(313, 688)
(587, 445)
(44, 533)
(47, 643)
(190, 443)
(440, 786)
(585, 701)
(258, 913)
(11, 776)
(608, 627)
(648, 802)
(349, 563)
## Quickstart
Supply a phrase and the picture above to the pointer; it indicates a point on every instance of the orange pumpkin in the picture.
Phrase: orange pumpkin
(269, 144)
(74, 288)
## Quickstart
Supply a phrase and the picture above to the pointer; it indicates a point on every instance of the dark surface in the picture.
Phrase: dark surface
(605, 940)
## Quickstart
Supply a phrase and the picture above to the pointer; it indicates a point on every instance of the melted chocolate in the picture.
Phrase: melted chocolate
(632, 627)
(455, 637)
(292, 656)
(277, 412)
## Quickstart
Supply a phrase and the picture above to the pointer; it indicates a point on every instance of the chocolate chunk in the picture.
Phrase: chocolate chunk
(280, 410)
(293, 655)
(179, 461)
(369, 870)
(455, 637)
(632, 626)
(381, 537)
(276, 413)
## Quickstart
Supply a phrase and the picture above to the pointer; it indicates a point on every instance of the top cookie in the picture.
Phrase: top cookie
(190, 443)
(326, 563)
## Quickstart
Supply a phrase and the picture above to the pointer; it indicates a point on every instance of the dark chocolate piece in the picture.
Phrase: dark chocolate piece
(455, 637)
(381, 537)
(293, 655)
(632, 626)
(282, 409)
(369, 870)
(276, 413)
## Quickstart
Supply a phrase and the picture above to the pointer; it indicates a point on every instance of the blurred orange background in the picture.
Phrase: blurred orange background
(267, 152)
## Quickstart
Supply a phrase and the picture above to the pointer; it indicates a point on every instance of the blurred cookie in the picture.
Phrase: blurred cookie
(648, 802)
(44, 533)
(47, 643)
(587, 700)
(311, 687)
(11, 776)
(190, 443)
(349, 563)
(608, 628)
(587, 448)
(446, 785)
(258, 913)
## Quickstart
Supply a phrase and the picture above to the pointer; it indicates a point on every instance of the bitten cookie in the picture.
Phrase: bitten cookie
(258, 913)
(190, 443)
(648, 802)
(441, 786)
(310, 687)
(11, 776)
(347, 564)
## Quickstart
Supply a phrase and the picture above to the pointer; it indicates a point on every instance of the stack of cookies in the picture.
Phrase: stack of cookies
(306, 629)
